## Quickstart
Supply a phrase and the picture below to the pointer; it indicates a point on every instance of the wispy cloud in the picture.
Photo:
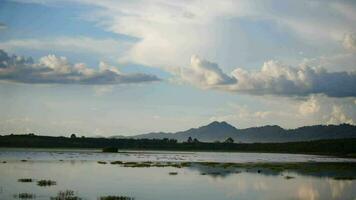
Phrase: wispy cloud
(53, 69)
(106, 47)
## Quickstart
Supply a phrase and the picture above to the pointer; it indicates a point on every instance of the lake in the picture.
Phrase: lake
(80, 172)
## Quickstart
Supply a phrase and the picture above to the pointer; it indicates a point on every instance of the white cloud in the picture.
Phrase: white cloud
(349, 42)
(52, 69)
(274, 78)
(203, 73)
(289, 112)
(169, 32)
(310, 106)
(338, 116)
(110, 48)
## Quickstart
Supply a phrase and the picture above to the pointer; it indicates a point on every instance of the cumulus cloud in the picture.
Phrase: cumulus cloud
(338, 116)
(204, 74)
(310, 106)
(274, 78)
(53, 69)
(349, 42)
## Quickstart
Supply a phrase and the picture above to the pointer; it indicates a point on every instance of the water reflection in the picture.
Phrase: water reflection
(91, 180)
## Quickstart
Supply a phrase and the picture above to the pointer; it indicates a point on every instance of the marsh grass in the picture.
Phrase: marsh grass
(45, 183)
(25, 180)
(25, 196)
(116, 198)
(66, 195)
(173, 173)
(102, 162)
(289, 177)
(118, 162)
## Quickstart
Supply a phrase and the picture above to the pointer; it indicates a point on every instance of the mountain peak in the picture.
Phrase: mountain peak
(218, 124)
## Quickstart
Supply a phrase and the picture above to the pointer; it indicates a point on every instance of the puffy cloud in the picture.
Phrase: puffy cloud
(310, 106)
(204, 74)
(349, 42)
(54, 69)
(274, 78)
(338, 116)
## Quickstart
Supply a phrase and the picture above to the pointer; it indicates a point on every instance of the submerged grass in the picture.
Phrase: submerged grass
(66, 195)
(45, 183)
(116, 198)
(25, 196)
(25, 180)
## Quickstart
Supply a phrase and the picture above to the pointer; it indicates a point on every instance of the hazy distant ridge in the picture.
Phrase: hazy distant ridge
(222, 130)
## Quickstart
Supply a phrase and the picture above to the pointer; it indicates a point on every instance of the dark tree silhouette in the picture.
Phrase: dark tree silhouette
(73, 136)
(229, 140)
(190, 140)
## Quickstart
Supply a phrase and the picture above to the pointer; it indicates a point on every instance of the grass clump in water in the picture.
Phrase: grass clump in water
(66, 195)
(116, 198)
(173, 173)
(25, 196)
(118, 162)
(44, 183)
(102, 162)
(289, 177)
(25, 180)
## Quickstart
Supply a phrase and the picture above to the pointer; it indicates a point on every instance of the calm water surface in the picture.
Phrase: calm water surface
(80, 172)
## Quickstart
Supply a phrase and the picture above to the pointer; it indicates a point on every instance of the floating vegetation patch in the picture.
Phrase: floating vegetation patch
(4, 162)
(289, 177)
(116, 198)
(66, 195)
(173, 173)
(23, 160)
(25, 180)
(116, 162)
(45, 183)
(25, 196)
(102, 162)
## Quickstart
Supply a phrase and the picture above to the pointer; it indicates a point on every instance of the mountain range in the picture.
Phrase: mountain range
(220, 131)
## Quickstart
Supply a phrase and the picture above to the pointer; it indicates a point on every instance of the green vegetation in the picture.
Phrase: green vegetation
(173, 173)
(25, 180)
(102, 162)
(116, 198)
(337, 147)
(44, 183)
(66, 195)
(289, 177)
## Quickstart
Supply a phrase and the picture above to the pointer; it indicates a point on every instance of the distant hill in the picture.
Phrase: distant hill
(219, 131)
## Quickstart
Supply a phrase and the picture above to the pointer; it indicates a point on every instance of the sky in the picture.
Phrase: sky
(126, 67)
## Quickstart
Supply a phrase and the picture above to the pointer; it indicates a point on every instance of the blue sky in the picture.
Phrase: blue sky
(130, 67)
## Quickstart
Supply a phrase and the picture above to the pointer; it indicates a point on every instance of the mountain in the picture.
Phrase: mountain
(219, 131)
